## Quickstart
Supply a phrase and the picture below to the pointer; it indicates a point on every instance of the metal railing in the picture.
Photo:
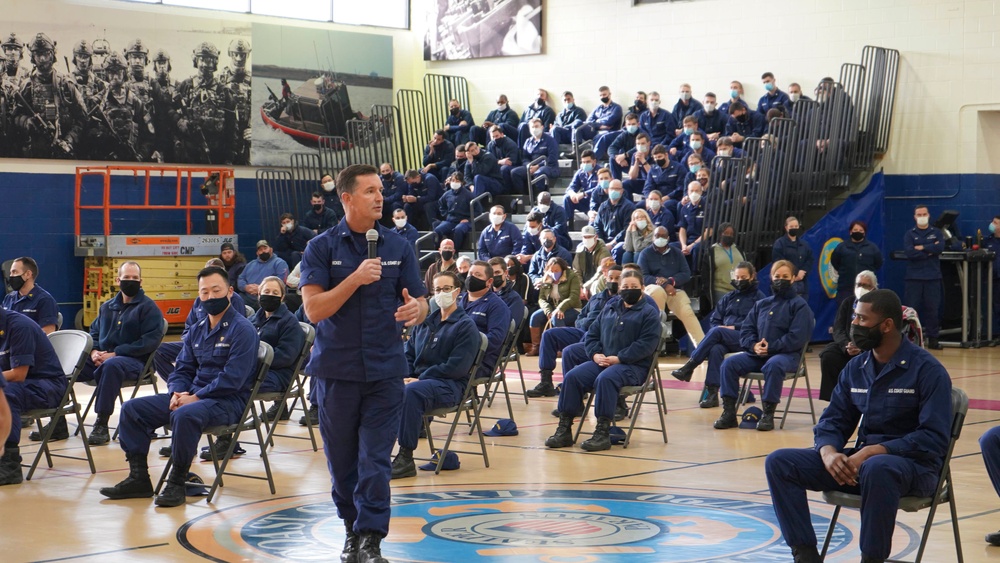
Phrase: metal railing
(274, 194)
(473, 234)
(415, 130)
(438, 89)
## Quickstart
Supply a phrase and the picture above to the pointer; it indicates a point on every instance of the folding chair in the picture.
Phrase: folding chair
(59, 321)
(249, 311)
(470, 405)
(146, 377)
(249, 420)
(800, 372)
(72, 348)
(294, 389)
(944, 491)
(498, 380)
(638, 394)
(505, 360)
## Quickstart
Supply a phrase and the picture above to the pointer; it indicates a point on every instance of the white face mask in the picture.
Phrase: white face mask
(400, 223)
(287, 227)
(641, 224)
(654, 104)
(329, 186)
(496, 219)
(543, 207)
(685, 96)
(794, 97)
(653, 204)
(456, 185)
(589, 242)
(725, 153)
(922, 221)
(695, 197)
(444, 300)
(709, 107)
(641, 148)
(859, 291)
(660, 242)
(536, 132)
(533, 231)
(501, 107)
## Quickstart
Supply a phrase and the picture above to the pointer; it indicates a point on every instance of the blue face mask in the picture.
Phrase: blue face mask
(769, 86)
(688, 130)
(734, 94)
(615, 195)
(632, 129)
(587, 167)
(603, 184)
(993, 228)
(695, 167)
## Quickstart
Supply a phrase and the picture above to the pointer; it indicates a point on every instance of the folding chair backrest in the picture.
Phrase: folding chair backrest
(249, 312)
(310, 333)
(59, 321)
(72, 348)
(959, 408)
(265, 355)
(524, 319)
(473, 380)
(147, 369)
(508, 345)
(801, 370)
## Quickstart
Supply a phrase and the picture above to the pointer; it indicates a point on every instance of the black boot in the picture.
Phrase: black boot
(272, 412)
(728, 418)
(933, 344)
(61, 432)
(544, 387)
(313, 416)
(684, 372)
(621, 409)
(711, 399)
(402, 465)
(100, 434)
(601, 440)
(866, 559)
(563, 437)
(766, 422)
(351, 540)
(175, 493)
(806, 554)
(10, 466)
(136, 485)
(370, 550)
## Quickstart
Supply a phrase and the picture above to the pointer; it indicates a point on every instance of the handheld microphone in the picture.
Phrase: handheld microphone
(372, 237)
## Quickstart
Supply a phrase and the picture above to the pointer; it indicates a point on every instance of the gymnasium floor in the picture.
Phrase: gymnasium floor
(702, 497)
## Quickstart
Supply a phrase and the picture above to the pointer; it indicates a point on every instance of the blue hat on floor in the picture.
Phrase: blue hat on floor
(750, 418)
(450, 462)
(195, 490)
(617, 435)
(503, 427)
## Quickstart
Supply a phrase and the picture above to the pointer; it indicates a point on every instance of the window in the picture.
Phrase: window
(317, 10)
(382, 13)
(222, 5)
(378, 13)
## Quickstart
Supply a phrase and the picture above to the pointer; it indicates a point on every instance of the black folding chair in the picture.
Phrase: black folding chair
(72, 347)
(944, 492)
(498, 381)
(505, 360)
(249, 420)
(294, 389)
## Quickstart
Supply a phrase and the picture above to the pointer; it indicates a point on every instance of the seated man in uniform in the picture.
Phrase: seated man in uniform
(500, 238)
(128, 328)
(210, 386)
(506, 288)
(319, 217)
(620, 344)
(440, 354)
(490, 313)
(266, 264)
(903, 394)
(28, 298)
(292, 240)
(421, 199)
(33, 377)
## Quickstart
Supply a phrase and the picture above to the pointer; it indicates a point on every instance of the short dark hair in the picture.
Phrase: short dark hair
(498, 261)
(441, 132)
(535, 217)
(885, 303)
(615, 268)
(347, 179)
(748, 266)
(707, 94)
(314, 195)
(766, 75)
(632, 266)
(642, 136)
(735, 107)
(214, 271)
(411, 174)
(587, 154)
(29, 264)
(567, 93)
(921, 206)
(631, 115)
(484, 265)
(448, 274)
(286, 216)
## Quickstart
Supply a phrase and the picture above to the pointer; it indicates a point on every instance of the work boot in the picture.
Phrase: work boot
(684, 372)
(59, 433)
(402, 465)
(544, 387)
(621, 409)
(221, 446)
(175, 493)
(351, 540)
(165, 451)
(272, 412)
(563, 437)
(728, 418)
(806, 554)
(10, 466)
(993, 538)
(711, 399)
(136, 485)
(312, 415)
(766, 422)
(536, 339)
(933, 344)
(370, 550)
(601, 440)
(100, 434)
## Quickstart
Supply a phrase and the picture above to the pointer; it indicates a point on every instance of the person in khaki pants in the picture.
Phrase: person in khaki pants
(665, 271)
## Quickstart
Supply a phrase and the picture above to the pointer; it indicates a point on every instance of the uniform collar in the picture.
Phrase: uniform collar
(280, 312)
(902, 359)
(224, 322)
(456, 315)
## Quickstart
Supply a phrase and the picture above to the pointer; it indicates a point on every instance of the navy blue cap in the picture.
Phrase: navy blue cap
(617, 435)
(195, 490)
(750, 418)
(503, 427)
(450, 462)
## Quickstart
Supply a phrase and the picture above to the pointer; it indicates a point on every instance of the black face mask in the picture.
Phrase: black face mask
(16, 282)
(742, 118)
(866, 337)
(857, 237)
(741, 285)
(264, 256)
(454, 111)
(462, 277)
(447, 255)
(387, 176)
(540, 102)
(612, 287)
(498, 281)
(270, 303)
(794, 232)
(630, 296)
(605, 99)
(130, 288)
(780, 286)
(641, 106)
(216, 305)
(474, 284)
(318, 207)
(660, 161)
(549, 244)
(728, 240)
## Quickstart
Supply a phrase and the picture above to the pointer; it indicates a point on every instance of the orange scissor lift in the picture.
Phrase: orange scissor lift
(169, 261)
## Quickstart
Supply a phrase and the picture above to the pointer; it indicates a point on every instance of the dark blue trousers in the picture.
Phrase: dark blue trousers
(31, 394)
(925, 297)
(358, 422)
(773, 367)
(554, 340)
(572, 356)
(109, 376)
(539, 318)
(455, 231)
(604, 382)
(519, 177)
(990, 444)
(882, 480)
(164, 358)
(716, 344)
(420, 397)
(142, 416)
(483, 184)
(571, 208)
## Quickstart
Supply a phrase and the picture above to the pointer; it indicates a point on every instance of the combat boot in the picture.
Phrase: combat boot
(402, 465)
(711, 399)
(684, 372)
(563, 437)
(10, 466)
(136, 485)
(766, 422)
(728, 418)
(351, 540)
(370, 550)
(806, 554)
(601, 440)
(175, 491)
(545, 388)
(61, 432)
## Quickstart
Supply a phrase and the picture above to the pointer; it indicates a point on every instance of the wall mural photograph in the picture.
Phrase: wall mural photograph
(475, 29)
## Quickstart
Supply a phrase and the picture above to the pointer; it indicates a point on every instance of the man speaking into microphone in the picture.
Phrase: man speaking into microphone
(359, 281)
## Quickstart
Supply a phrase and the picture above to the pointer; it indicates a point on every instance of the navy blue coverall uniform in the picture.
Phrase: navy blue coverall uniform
(38, 305)
(514, 300)
(534, 148)
(483, 173)
(218, 365)
(506, 119)
(659, 127)
(786, 322)
(459, 134)
(492, 317)
(22, 343)
(583, 183)
(454, 207)
(906, 405)
(439, 353)
(732, 310)
(607, 116)
(289, 246)
(630, 333)
(557, 338)
(321, 221)
(408, 232)
(282, 331)
(799, 253)
(669, 181)
(427, 192)
(393, 189)
(612, 220)
(554, 218)
(850, 259)
(441, 156)
(132, 331)
(923, 276)
(543, 112)
(536, 267)
(502, 242)
(165, 356)
(566, 123)
(358, 362)
(504, 148)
